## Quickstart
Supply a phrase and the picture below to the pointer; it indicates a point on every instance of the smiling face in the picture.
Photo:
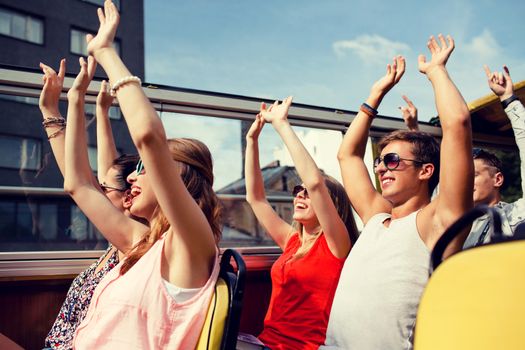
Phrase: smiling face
(303, 211)
(143, 200)
(113, 190)
(403, 182)
(487, 183)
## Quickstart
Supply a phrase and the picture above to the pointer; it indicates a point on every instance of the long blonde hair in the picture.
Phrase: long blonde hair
(197, 175)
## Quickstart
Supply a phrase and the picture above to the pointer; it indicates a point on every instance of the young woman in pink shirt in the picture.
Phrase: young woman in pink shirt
(157, 297)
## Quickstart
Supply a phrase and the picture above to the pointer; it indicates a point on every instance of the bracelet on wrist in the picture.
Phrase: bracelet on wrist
(506, 102)
(124, 81)
(368, 110)
(54, 121)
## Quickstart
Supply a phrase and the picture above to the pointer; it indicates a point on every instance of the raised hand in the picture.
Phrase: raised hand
(104, 98)
(440, 52)
(394, 72)
(81, 82)
(500, 83)
(109, 19)
(52, 89)
(257, 126)
(409, 113)
(276, 112)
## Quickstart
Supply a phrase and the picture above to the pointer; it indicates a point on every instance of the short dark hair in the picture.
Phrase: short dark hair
(125, 165)
(489, 159)
(424, 147)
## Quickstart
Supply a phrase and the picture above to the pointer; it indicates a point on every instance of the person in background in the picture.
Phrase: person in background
(314, 248)
(488, 175)
(409, 113)
(112, 173)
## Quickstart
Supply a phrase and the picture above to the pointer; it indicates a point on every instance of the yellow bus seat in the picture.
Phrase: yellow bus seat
(222, 322)
(476, 298)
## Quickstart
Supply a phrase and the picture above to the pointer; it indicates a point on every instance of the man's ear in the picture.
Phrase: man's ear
(426, 171)
(498, 179)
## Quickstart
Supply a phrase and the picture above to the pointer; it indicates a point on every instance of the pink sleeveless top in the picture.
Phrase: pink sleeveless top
(136, 311)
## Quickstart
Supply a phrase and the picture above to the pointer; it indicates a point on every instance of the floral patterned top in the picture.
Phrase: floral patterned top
(77, 301)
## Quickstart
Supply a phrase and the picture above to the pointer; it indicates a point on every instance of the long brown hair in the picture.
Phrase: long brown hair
(344, 209)
(197, 175)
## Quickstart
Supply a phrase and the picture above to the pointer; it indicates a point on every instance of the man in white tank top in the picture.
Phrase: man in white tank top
(381, 283)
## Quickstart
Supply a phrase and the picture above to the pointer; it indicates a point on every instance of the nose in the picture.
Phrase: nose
(132, 177)
(380, 168)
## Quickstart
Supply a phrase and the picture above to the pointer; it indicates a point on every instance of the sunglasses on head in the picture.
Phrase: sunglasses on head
(392, 160)
(140, 167)
(298, 189)
(106, 188)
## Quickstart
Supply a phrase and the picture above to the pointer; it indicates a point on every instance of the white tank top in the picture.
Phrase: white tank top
(380, 287)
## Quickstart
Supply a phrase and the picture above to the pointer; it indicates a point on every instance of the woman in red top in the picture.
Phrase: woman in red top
(305, 277)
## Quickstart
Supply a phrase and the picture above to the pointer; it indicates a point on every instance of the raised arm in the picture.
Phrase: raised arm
(276, 227)
(365, 199)
(409, 113)
(79, 180)
(331, 223)
(190, 233)
(501, 84)
(53, 122)
(457, 169)
(106, 149)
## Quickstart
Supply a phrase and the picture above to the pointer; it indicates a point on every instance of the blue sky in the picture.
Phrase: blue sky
(327, 53)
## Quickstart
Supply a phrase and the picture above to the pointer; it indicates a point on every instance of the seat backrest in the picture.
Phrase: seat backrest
(475, 300)
(235, 280)
(224, 313)
(213, 329)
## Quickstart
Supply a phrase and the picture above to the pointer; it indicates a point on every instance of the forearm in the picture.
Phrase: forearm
(56, 135)
(252, 172)
(516, 114)
(451, 107)
(78, 171)
(303, 162)
(142, 119)
(106, 149)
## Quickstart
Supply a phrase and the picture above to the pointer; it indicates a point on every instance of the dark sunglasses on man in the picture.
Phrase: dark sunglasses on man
(107, 188)
(392, 160)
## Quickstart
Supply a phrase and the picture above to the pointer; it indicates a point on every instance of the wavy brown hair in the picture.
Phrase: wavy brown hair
(197, 175)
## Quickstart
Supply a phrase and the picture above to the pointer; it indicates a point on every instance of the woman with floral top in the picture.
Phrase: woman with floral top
(112, 177)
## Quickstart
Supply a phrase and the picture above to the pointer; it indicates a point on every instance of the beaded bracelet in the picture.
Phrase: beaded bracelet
(52, 121)
(123, 81)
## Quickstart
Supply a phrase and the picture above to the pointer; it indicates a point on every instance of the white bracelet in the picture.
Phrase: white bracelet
(123, 81)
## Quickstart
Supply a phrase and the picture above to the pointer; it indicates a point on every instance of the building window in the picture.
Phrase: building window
(101, 2)
(21, 26)
(20, 153)
(78, 43)
(114, 111)
(20, 99)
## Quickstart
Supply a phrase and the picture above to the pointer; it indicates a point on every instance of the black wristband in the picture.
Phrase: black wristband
(506, 102)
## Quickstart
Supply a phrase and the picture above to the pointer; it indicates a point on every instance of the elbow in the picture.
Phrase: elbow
(461, 121)
(69, 188)
(148, 135)
(315, 182)
(341, 155)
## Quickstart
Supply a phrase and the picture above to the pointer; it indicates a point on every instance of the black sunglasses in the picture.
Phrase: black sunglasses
(298, 189)
(140, 167)
(105, 188)
(392, 160)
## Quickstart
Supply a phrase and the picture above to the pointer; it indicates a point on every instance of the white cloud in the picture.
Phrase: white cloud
(371, 48)
(483, 46)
